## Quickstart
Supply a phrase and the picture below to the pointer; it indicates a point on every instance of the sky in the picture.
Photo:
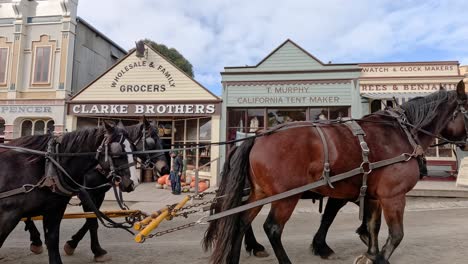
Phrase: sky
(213, 34)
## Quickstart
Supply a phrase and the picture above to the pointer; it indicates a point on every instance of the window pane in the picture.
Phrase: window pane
(338, 112)
(179, 130)
(26, 128)
(205, 128)
(255, 119)
(205, 158)
(41, 65)
(445, 151)
(280, 116)
(2, 126)
(39, 127)
(50, 127)
(236, 118)
(376, 105)
(318, 114)
(3, 64)
(192, 129)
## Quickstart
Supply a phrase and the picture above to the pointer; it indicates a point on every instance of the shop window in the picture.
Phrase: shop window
(255, 120)
(179, 133)
(318, 114)
(2, 127)
(3, 64)
(444, 151)
(205, 129)
(192, 129)
(39, 127)
(237, 119)
(36, 127)
(337, 112)
(42, 60)
(26, 128)
(376, 105)
(50, 127)
(281, 116)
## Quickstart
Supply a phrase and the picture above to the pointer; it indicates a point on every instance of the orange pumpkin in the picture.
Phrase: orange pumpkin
(162, 179)
(202, 186)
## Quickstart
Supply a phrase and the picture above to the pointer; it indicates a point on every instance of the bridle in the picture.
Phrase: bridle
(461, 109)
(116, 150)
(148, 143)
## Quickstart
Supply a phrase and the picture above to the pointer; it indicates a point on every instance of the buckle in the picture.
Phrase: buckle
(363, 191)
(364, 147)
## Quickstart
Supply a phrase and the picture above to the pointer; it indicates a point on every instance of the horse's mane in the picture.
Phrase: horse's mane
(421, 111)
(85, 139)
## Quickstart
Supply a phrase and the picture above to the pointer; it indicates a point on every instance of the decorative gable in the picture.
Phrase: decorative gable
(151, 78)
(289, 56)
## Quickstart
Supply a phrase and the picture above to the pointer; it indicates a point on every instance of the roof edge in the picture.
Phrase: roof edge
(88, 25)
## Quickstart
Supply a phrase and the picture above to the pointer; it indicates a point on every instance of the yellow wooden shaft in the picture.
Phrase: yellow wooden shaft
(141, 224)
(111, 214)
(178, 206)
(150, 227)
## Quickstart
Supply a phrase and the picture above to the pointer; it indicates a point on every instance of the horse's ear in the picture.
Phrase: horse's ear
(120, 124)
(109, 127)
(461, 90)
(441, 88)
(145, 122)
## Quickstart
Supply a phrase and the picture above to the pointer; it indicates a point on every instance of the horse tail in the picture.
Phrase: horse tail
(220, 233)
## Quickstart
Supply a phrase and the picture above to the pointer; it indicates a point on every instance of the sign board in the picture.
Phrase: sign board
(289, 95)
(134, 109)
(462, 178)
(409, 69)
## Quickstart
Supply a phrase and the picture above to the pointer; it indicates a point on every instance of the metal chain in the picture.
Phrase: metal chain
(171, 230)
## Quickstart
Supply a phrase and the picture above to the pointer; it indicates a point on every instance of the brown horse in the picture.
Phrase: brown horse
(262, 161)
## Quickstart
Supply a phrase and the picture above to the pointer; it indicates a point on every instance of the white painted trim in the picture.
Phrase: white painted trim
(5, 82)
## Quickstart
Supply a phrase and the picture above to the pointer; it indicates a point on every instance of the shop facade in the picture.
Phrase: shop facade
(387, 84)
(288, 85)
(38, 44)
(185, 112)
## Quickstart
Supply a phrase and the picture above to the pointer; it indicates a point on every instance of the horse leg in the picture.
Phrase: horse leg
(34, 237)
(100, 255)
(374, 221)
(280, 213)
(8, 222)
(71, 244)
(52, 221)
(319, 244)
(393, 209)
(252, 246)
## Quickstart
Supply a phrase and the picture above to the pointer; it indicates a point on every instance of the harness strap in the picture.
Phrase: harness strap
(357, 131)
(339, 177)
(398, 114)
(326, 160)
(86, 200)
(23, 189)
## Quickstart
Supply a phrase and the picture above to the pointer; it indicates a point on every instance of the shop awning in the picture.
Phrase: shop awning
(400, 97)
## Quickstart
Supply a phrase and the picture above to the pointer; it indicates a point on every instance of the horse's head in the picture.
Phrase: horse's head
(148, 139)
(457, 126)
(112, 158)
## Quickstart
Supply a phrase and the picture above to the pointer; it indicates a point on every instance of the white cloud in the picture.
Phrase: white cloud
(217, 33)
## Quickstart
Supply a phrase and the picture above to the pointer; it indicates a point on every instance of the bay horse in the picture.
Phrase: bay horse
(145, 137)
(20, 169)
(262, 161)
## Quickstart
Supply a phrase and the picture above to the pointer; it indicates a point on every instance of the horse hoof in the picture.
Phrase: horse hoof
(36, 249)
(69, 250)
(363, 259)
(261, 254)
(103, 258)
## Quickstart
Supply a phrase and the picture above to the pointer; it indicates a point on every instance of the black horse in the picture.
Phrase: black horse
(20, 169)
(144, 136)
